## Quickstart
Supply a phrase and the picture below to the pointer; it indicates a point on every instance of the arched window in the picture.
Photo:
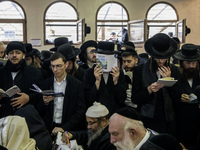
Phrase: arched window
(161, 18)
(60, 21)
(12, 22)
(111, 17)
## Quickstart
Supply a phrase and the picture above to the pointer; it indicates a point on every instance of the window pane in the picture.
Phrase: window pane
(162, 11)
(61, 10)
(10, 10)
(161, 28)
(112, 11)
(60, 29)
(105, 28)
(11, 32)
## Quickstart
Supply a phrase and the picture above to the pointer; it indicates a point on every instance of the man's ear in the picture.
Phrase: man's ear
(67, 64)
(133, 133)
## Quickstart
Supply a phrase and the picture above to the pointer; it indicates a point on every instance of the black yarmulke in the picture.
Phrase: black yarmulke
(15, 45)
(129, 112)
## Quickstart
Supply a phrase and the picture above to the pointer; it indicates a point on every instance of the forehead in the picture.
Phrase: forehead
(90, 119)
(128, 57)
(57, 61)
(116, 123)
(15, 51)
(90, 48)
(2, 48)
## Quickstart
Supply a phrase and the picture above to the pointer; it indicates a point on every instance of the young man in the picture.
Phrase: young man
(96, 136)
(17, 72)
(66, 112)
(87, 56)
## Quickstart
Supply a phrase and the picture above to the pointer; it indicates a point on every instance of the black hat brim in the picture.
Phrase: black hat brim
(180, 56)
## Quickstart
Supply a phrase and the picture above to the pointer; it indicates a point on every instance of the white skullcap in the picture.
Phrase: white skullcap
(97, 110)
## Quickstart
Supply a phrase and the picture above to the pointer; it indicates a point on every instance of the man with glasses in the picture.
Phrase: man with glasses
(96, 136)
(66, 112)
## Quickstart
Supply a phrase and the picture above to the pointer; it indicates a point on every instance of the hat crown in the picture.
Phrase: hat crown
(60, 41)
(67, 51)
(161, 42)
(106, 46)
(189, 50)
(97, 110)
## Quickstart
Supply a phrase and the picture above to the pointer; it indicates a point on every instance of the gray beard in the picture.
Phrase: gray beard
(92, 135)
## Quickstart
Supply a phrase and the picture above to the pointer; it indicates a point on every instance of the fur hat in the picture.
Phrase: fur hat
(160, 46)
(97, 110)
(15, 45)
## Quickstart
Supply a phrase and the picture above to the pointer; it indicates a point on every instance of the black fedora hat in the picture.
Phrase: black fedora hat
(84, 47)
(105, 47)
(188, 52)
(160, 46)
(68, 51)
(58, 42)
(29, 49)
(45, 54)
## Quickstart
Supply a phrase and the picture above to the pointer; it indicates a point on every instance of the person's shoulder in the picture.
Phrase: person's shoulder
(73, 79)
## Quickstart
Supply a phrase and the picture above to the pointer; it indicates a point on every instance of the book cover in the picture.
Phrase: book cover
(168, 81)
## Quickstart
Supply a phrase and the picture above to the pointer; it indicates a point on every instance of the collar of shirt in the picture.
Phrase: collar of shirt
(145, 138)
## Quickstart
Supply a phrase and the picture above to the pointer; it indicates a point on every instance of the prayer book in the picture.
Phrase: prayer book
(11, 91)
(167, 81)
(47, 92)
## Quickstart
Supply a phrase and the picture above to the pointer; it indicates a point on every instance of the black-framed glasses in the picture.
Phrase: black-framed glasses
(91, 123)
(58, 67)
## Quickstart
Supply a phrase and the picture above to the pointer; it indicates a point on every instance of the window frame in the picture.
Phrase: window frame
(23, 21)
(117, 21)
(56, 20)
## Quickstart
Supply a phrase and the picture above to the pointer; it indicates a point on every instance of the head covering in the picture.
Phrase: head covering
(36, 53)
(97, 110)
(84, 47)
(131, 44)
(129, 112)
(160, 46)
(15, 45)
(58, 42)
(45, 54)
(162, 142)
(105, 47)
(29, 49)
(188, 52)
(68, 51)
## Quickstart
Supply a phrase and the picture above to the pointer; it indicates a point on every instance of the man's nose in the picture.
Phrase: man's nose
(112, 139)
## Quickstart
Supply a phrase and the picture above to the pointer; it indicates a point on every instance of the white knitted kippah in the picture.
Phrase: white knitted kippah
(97, 110)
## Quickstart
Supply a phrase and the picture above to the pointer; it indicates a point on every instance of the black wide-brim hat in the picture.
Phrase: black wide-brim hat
(58, 42)
(160, 46)
(188, 52)
(84, 47)
(105, 47)
(68, 51)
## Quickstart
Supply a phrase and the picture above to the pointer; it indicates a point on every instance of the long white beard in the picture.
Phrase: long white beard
(93, 135)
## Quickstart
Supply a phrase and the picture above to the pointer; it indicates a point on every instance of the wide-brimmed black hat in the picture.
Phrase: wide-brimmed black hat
(84, 47)
(68, 51)
(160, 46)
(29, 49)
(105, 47)
(45, 54)
(188, 52)
(58, 42)
(128, 43)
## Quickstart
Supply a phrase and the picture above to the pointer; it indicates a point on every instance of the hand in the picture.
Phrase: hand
(115, 74)
(165, 71)
(66, 137)
(20, 101)
(183, 147)
(185, 98)
(154, 87)
(56, 130)
(98, 71)
(47, 99)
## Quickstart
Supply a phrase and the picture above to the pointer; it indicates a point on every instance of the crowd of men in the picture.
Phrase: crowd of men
(124, 108)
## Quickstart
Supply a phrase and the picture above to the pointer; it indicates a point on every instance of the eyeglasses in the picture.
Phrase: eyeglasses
(58, 67)
(91, 123)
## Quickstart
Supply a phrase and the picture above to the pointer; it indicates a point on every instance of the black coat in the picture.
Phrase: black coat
(73, 106)
(110, 95)
(101, 143)
(24, 80)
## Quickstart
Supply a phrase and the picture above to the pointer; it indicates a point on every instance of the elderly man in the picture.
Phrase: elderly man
(188, 121)
(97, 136)
(87, 56)
(127, 130)
(156, 102)
(17, 72)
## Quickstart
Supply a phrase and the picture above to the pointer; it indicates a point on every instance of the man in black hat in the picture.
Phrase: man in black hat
(70, 53)
(17, 72)
(155, 102)
(63, 112)
(87, 56)
(188, 121)
(127, 130)
(58, 42)
(107, 88)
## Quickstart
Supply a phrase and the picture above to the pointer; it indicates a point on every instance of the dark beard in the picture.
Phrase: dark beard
(191, 73)
(92, 135)
(154, 65)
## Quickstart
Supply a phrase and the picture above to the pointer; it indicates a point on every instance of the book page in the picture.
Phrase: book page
(167, 83)
(12, 91)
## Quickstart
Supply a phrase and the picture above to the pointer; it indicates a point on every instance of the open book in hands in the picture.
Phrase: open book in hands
(167, 81)
(47, 92)
(11, 91)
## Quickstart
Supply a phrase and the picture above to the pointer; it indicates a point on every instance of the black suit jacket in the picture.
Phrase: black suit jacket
(73, 106)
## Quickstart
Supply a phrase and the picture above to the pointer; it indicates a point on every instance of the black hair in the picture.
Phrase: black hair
(58, 55)
(126, 54)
